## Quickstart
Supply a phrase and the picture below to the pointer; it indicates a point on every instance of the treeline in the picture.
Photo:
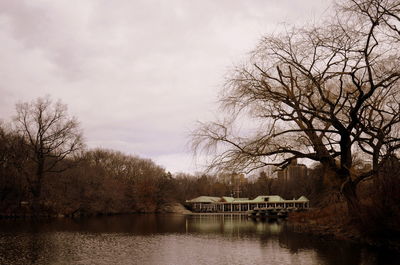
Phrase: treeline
(97, 181)
(101, 181)
(45, 169)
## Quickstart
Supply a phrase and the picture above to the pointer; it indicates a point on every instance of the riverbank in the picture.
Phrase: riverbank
(333, 222)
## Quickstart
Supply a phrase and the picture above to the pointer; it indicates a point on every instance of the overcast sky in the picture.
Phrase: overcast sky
(137, 74)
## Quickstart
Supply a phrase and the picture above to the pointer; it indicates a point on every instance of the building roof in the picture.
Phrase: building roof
(258, 199)
(205, 199)
(231, 199)
(227, 199)
(303, 199)
(270, 198)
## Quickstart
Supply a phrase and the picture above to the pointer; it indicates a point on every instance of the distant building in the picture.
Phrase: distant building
(292, 171)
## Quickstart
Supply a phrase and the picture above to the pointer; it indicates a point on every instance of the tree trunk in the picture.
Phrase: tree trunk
(37, 183)
(349, 191)
(36, 190)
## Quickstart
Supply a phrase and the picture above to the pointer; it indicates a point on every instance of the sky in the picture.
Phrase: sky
(137, 74)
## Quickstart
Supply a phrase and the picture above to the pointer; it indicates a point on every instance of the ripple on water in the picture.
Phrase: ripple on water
(86, 248)
(153, 240)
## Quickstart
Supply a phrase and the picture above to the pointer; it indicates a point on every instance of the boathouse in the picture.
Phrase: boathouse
(230, 204)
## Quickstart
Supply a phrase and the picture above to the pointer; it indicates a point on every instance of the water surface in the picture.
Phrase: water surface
(174, 239)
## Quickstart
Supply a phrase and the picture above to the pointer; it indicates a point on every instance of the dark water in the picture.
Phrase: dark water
(171, 239)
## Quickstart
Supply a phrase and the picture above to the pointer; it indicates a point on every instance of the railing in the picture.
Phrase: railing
(244, 207)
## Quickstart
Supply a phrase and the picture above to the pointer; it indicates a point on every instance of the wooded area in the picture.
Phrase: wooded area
(37, 179)
(45, 169)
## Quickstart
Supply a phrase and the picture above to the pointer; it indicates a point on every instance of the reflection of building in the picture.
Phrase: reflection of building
(292, 171)
(230, 204)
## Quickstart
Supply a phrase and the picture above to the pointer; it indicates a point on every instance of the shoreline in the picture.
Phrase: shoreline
(348, 233)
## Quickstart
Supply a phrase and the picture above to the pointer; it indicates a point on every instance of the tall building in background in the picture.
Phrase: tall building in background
(292, 171)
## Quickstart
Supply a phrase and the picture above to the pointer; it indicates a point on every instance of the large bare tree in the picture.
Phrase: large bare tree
(324, 93)
(51, 136)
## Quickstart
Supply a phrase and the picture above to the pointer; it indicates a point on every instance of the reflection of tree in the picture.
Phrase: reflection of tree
(327, 251)
(73, 241)
(29, 247)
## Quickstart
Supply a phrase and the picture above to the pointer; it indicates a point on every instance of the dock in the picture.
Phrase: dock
(270, 213)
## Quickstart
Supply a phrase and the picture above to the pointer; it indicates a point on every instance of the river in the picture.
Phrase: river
(174, 239)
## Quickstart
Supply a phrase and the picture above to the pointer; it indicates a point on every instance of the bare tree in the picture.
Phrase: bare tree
(321, 93)
(51, 136)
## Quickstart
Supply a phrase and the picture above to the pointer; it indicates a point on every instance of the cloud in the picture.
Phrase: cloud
(137, 74)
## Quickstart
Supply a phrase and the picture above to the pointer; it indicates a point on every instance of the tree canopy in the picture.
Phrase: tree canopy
(324, 92)
(50, 136)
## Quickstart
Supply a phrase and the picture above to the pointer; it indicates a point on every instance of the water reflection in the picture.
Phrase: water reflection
(173, 239)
